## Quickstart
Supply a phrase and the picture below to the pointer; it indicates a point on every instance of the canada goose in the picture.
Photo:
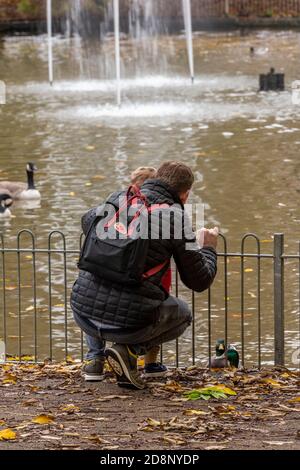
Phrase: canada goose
(22, 190)
(5, 202)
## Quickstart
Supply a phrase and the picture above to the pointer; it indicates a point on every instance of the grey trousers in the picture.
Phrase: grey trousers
(174, 317)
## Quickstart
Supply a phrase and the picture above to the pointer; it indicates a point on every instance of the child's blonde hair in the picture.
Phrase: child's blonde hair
(141, 174)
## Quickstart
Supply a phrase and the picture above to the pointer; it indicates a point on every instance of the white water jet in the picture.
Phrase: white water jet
(117, 49)
(187, 13)
(50, 50)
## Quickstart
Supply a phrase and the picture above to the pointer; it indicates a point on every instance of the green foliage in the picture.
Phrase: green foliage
(219, 391)
(94, 8)
(28, 7)
(269, 13)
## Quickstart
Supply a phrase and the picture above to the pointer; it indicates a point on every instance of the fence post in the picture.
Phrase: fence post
(279, 298)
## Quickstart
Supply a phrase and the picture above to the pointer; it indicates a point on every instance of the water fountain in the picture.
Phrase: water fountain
(50, 51)
(144, 28)
(187, 13)
(117, 49)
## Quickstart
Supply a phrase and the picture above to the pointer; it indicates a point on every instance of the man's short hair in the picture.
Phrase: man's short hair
(177, 175)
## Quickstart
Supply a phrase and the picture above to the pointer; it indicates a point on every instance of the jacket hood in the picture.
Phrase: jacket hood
(155, 189)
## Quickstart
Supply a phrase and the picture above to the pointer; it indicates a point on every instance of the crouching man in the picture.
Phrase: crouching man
(119, 296)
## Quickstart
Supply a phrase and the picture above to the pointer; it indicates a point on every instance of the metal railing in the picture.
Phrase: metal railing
(246, 305)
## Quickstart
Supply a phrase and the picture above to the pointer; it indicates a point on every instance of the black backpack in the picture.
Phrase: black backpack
(123, 258)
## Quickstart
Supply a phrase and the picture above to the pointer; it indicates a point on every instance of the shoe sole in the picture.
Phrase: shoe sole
(148, 375)
(116, 362)
(92, 378)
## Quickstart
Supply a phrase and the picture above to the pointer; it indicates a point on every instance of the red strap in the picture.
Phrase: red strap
(155, 270)
(132, 197)
(150, 209)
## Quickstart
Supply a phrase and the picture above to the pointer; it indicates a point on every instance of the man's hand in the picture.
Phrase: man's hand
(208, 237)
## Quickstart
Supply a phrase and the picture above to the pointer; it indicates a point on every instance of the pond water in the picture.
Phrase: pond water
(242, 145)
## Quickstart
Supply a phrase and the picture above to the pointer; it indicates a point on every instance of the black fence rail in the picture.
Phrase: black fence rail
(254, 303)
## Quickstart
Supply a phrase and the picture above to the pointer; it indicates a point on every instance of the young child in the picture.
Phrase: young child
(152, 368)
(93, 369)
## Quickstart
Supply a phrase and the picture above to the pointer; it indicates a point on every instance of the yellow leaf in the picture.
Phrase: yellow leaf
(141, 361)
(153, 422)
(9, 379)
(71, 408)
(89, 184)
(69, 360)
(72, 193)
(295, 400)
(272, 382)
(29, 309)
(59, 305)
(224, 389)
(98, 177)
(43, 419)
(173, 386)
(2, 423)
(195, 412)
(248, 270)
(28, 257)
(27, 358)
(7, 435)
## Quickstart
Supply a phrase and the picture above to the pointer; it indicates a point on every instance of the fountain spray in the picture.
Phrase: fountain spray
(117, 49)
(187, 14)
(49, 30)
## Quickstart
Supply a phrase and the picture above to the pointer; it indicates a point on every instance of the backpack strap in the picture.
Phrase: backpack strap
(155, 270)
(133, 195)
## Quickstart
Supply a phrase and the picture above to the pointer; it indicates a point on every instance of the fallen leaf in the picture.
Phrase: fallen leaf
(51, 438)
(295, 400)
(43, 419)
(113, 397)
(97, 439)
(272, 382)
(195, 412)
(9, 379)
(174, 440)
(173, 387)
(215, 447)
(217, 391)
(153, 422)
(99, 177)
(277, 443)
(71, 408)
(7, 435)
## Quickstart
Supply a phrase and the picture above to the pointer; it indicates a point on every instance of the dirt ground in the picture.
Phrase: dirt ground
(51, 407)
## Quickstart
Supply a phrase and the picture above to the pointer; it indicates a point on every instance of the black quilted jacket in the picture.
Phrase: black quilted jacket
(136, 307)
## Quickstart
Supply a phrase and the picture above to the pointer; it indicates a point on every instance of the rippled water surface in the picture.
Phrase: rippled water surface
(242, 145)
